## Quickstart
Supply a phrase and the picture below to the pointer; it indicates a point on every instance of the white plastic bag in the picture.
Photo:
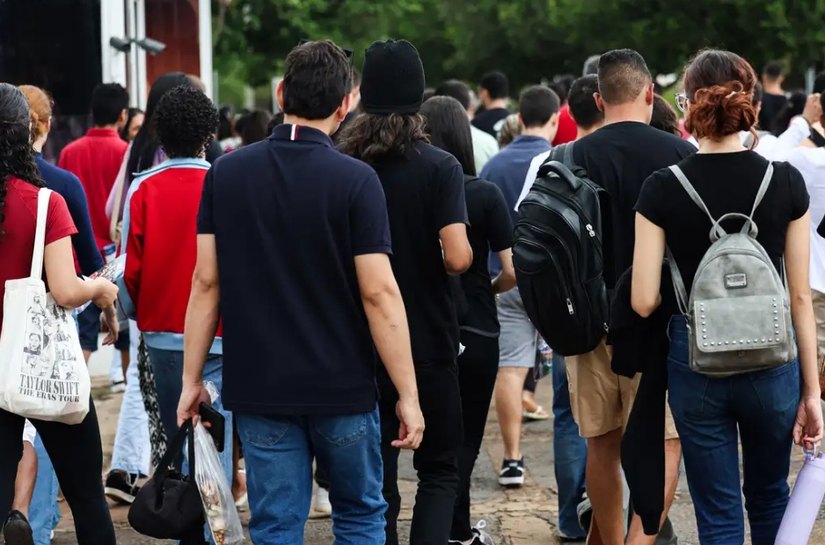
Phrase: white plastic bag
(216, 492)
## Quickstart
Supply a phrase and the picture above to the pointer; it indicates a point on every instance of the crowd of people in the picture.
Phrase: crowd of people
(343, 273)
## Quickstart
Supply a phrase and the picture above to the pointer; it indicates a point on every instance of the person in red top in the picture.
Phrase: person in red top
(159, 233)
(96, 158)
(75, 450)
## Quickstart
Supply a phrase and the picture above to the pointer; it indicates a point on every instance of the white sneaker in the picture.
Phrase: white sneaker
(321, 505)
(480, 537)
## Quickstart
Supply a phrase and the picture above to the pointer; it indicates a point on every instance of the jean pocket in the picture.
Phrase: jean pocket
(263, 432)
(342, 431)
(777, 389)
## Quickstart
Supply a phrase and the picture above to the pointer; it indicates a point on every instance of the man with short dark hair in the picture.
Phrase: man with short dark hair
(293, 255)
(773, 98)
(493, 90)
(619, 157)
(95, 158)
(484, 145)
(583, 108)
(538, 116)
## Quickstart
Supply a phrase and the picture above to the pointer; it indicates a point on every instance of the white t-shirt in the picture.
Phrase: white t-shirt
(811, 163)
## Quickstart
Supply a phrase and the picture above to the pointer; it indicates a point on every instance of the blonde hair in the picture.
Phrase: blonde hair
(40, 109)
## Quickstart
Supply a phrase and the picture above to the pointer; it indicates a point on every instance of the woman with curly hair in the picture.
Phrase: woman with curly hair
(424, 187)
(160, 244)
(74, 450)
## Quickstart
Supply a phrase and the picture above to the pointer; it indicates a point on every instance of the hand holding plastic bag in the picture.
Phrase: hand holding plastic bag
(216, 492)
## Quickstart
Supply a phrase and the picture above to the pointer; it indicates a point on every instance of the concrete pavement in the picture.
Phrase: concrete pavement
(525, 516)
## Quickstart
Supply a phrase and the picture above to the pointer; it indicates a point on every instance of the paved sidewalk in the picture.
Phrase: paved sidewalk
(514, 517)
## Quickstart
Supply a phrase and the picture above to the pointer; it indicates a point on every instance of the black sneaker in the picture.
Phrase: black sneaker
(512, 473)
(121, 488)
(16, 530)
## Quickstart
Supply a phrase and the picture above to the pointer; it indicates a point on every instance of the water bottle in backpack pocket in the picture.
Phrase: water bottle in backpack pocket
(739, 316)
(557, 254)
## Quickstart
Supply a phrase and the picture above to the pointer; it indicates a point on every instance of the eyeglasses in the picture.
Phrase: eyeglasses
(681, 101)
(348, 52)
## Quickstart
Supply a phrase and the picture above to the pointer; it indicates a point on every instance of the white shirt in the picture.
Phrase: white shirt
(811, 163)
(532, 173)
(484, 147)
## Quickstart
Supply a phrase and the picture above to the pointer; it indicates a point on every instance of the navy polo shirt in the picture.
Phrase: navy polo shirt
(289, 215)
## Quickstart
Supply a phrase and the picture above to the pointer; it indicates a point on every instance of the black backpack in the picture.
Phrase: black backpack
(557, 253)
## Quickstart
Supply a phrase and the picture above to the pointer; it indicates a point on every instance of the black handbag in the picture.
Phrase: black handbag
(169, 505)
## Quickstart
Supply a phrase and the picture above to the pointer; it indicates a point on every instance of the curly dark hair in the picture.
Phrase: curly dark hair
(370, 137)
(186, 121)
(16, 152)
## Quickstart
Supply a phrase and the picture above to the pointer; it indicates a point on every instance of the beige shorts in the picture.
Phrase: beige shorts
(601, 400)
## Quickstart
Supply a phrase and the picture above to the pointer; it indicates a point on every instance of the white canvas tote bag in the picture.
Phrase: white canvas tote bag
(43, 374)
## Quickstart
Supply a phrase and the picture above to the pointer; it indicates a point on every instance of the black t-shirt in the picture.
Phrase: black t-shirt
(289, 215)
(771, 106)
(619, 157)
(727, 182)
(491, 229)
(490, 121)
(425, 193)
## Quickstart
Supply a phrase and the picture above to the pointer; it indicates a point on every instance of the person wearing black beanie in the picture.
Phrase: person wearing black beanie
(424, 188)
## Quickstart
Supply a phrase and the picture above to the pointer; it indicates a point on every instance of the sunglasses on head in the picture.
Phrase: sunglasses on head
(348, 52)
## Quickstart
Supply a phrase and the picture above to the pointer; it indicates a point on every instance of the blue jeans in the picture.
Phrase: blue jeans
(168, 368)
(278, 451)
(708, 412)
(132, 449)
(44, 512)
(570, 451)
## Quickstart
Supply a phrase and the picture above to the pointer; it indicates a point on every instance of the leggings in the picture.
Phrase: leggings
(77, 456)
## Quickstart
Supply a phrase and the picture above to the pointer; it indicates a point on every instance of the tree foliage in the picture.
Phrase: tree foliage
(528, 39)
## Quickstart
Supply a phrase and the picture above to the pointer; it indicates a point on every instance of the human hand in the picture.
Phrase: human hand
(813, 109)
(191, 397)
(807, 430)
(108, 319)
(411, 430)
(106, 293)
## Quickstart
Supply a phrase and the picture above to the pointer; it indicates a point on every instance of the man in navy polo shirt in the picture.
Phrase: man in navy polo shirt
(293, 254)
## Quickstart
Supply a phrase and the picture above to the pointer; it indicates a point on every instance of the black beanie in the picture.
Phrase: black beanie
(392, 81)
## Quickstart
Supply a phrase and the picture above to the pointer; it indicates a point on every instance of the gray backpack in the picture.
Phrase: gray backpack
(739, 317)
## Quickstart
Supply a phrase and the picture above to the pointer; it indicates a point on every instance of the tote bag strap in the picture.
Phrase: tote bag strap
(43, 197)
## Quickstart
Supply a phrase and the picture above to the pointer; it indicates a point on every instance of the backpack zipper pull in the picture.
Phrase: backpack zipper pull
(590, 230)
(570, 307)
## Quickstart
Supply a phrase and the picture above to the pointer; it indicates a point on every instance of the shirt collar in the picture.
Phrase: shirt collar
(301, 133)
(105, 133)
(179, 162)
(531, 139)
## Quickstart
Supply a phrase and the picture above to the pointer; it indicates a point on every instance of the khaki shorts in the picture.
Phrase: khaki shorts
(602, 400)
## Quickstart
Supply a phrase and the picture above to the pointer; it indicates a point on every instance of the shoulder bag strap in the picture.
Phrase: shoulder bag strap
(43, 198)
(117, 203)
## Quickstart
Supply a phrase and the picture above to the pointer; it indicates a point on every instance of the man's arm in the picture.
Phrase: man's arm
(390, 333)
(202, 316)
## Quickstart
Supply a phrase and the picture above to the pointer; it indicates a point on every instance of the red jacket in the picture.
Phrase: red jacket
(567, 127)
(161, 247)
(95, 159)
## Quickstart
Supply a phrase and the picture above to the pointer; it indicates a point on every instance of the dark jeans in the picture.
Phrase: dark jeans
(77, 456)
(477, 370)
(570, 452)
(436, 460)
(708, 412)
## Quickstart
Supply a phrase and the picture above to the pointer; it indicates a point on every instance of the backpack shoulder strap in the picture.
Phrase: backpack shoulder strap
(763, 188)
(679, 287)
(563, 153)
(691, 191)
